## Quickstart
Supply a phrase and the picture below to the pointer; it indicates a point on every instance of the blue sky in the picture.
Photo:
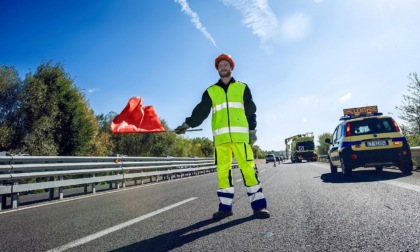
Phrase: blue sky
(304, 60)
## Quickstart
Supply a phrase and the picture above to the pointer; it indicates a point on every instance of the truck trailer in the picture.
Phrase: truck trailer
(301, 147)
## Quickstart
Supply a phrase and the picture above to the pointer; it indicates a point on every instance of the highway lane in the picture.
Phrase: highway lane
(311, 209)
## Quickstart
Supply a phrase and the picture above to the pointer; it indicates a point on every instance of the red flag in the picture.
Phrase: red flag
(137, 119)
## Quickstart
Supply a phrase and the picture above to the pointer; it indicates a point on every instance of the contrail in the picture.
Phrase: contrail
(257, 15)
(195, 19)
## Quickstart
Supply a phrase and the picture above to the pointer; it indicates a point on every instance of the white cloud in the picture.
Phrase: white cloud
(345, 98)
(93, 90)
(257, 15)
(296, 27)
(195, 19)
(304, 120)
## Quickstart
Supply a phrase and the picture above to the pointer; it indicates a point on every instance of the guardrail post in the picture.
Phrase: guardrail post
(15, 197)
(93, 185)
(2, 199)
(85, 186)
(61, 190)
(51, 190)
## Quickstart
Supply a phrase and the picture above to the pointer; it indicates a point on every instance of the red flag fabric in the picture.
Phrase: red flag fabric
(137, 119)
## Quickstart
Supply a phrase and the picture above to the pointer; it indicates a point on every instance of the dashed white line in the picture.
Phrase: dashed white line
(117, 227)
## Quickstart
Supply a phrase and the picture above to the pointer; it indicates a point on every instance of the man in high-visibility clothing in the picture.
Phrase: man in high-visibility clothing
(233, 125)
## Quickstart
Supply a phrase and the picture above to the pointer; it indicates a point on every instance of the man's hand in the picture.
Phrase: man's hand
(182, 129)
(252, 137)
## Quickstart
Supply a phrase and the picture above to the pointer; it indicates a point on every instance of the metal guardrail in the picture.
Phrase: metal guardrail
(323, 158)
(17, 173)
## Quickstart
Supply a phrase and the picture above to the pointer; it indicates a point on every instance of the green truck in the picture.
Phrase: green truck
(301, 147)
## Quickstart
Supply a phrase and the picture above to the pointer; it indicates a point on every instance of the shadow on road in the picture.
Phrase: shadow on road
(178, 238)
(362, 176)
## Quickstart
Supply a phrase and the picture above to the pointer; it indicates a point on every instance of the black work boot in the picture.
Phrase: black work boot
(262, 213)
(221, 215)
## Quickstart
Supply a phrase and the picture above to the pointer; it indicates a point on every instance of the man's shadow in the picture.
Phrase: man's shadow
(178, 238)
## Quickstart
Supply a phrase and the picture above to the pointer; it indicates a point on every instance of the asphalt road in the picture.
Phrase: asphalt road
(311, 210)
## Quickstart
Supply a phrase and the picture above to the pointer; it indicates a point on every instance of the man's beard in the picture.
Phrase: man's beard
(226, 73)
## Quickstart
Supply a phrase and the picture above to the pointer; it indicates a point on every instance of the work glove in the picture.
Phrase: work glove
(182, 129)
(252, 137)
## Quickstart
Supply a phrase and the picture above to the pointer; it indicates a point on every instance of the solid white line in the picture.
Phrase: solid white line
(98, 194)
(403, 185)
(116, 228)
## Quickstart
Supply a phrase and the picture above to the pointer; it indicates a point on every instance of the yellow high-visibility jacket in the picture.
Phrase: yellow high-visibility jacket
(229, 122)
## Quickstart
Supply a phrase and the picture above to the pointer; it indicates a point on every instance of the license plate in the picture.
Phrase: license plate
(376, 143)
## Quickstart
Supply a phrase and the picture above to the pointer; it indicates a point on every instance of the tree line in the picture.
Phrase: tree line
(45, 114)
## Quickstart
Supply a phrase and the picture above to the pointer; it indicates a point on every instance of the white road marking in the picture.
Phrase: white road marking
(98, 194)
(403, 185)
(239, 180)
(117, 227)
(399, 184)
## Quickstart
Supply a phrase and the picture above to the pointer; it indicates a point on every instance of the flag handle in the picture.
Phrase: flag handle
(194, 129)
(187, 130)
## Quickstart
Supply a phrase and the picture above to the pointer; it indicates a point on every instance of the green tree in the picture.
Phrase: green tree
(10, 120)
(411, 106)
(104, 145)
(182, 148)
(202, 147)
(141, 144)
(258, 153)
(57, 118)
(323, 147)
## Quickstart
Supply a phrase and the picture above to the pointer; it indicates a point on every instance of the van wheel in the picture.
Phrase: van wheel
(345, 168)
(379, 168)
(333, 168)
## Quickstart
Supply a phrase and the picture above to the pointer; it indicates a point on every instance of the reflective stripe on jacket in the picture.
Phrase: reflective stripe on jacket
(229, 122)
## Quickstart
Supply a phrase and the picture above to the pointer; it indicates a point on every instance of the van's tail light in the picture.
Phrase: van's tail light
(348, 130)
(397, 128)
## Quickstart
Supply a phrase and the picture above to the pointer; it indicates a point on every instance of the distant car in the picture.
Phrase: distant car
(368, 139)
(270, 158)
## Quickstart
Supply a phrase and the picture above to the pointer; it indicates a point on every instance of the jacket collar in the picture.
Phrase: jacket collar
(223, 85)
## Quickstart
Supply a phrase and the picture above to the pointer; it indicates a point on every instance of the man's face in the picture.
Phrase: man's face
(224, 68)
